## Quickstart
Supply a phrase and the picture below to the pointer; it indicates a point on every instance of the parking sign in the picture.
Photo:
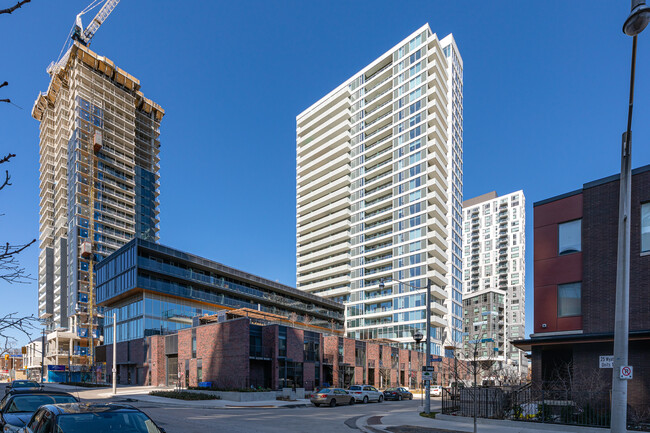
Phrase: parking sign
(626, 372)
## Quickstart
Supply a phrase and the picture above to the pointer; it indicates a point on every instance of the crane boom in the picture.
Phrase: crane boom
(101, 16)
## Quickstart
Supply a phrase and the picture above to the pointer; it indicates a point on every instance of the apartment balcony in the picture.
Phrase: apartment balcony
(438, 308)
(337, 121)
(310, 287)
(437, 251)
(335, 195)
(328, 154)
(436, 108)
(330, 240)
(437, 265)
(315, 194)
(326, 209)
(333, 138)
(378, 312)
(324, 221)
(437, 226)
(437, 175)
(378, 222)
(378, 201)
(326, 252)
(312, 184)
(382, 98)
(436, 133)
(376, 191)
(377, 152)
(324, 172)
(438, 279)
(379, 247)
(338, 101)
(334, 270)
(324, 231)
(330, 261)
(434, 198)
(438, 321)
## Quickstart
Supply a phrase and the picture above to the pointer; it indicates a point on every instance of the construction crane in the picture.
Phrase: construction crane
(83, 36)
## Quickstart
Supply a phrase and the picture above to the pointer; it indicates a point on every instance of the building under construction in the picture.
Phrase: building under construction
(99, 181)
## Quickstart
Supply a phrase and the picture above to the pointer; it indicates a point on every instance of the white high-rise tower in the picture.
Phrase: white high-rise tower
(379, 193)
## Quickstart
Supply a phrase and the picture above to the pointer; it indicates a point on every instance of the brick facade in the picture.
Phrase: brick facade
(579, 341)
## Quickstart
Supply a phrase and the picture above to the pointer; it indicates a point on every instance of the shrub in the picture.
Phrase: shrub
(184, 395)
(86, 384)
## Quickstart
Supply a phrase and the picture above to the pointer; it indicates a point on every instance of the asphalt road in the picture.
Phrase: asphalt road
(175, 417)
(309, 420)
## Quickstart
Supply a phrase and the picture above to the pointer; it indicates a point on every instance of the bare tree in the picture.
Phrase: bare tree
(12, 323)
(14, 7)
(10, 269)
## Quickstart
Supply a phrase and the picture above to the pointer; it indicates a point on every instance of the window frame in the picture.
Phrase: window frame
(647, 250)
(579, 303)
(560, 253)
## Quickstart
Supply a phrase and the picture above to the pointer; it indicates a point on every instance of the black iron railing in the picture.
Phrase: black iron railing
(531, 404)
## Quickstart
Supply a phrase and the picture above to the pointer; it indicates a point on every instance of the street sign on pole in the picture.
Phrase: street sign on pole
(606, 361)
(436, 359)
(428, 368)
(626, 372)
(427, 375)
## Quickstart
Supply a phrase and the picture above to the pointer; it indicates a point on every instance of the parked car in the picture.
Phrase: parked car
(28, 385)
(90, 417)
(397, 393)
(366, 393)
(332, 397)
(436, 390)
(18, 406)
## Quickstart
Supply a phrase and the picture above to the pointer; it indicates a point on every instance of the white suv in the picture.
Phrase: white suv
(436, 390)
(365, 393)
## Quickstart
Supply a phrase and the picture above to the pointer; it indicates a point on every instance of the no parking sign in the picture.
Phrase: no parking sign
(626, 372)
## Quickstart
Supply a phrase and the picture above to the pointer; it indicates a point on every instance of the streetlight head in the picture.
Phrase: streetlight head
(381, 285)
(638, 19)
(418, 337)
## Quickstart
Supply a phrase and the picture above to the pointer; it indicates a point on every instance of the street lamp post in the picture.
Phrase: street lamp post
(427, 404)
(634, 24)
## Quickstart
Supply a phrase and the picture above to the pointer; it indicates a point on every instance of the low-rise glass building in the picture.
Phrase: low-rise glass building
(154, 289)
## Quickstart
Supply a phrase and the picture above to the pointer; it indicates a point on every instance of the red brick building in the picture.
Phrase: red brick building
(235, 352)
(575, 251)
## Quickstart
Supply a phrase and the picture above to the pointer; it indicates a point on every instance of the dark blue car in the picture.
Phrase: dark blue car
(17, 407)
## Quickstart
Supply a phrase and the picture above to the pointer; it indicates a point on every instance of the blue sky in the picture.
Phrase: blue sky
(545, 104)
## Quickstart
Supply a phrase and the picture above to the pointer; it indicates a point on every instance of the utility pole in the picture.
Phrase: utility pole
(43, 356)
(114, 353)
(427, 404)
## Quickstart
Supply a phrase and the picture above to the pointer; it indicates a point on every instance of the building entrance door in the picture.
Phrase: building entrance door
(172, 370)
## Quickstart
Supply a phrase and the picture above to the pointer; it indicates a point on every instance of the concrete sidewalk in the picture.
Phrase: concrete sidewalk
(141, 393)
(412, 422)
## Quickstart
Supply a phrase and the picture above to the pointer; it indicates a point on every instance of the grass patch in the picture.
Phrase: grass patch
(86, 384)
(184, 395)
(432, 415)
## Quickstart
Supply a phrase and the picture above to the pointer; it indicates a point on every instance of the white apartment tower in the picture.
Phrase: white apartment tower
(494, 275)
(379, 193)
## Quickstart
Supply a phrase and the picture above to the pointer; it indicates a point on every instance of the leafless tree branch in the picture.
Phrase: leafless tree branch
(14, 7)
(7, 158)
(12, 322)
(4, 84)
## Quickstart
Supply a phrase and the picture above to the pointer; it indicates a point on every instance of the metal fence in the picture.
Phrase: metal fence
(531, 404)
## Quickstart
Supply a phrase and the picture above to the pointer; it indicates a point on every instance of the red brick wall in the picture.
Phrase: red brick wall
(551, 269)
(295, 344)
(157, 357)
(600, 240)
(331, 350)
(270, 342)
(224, 349)
(348, 351)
